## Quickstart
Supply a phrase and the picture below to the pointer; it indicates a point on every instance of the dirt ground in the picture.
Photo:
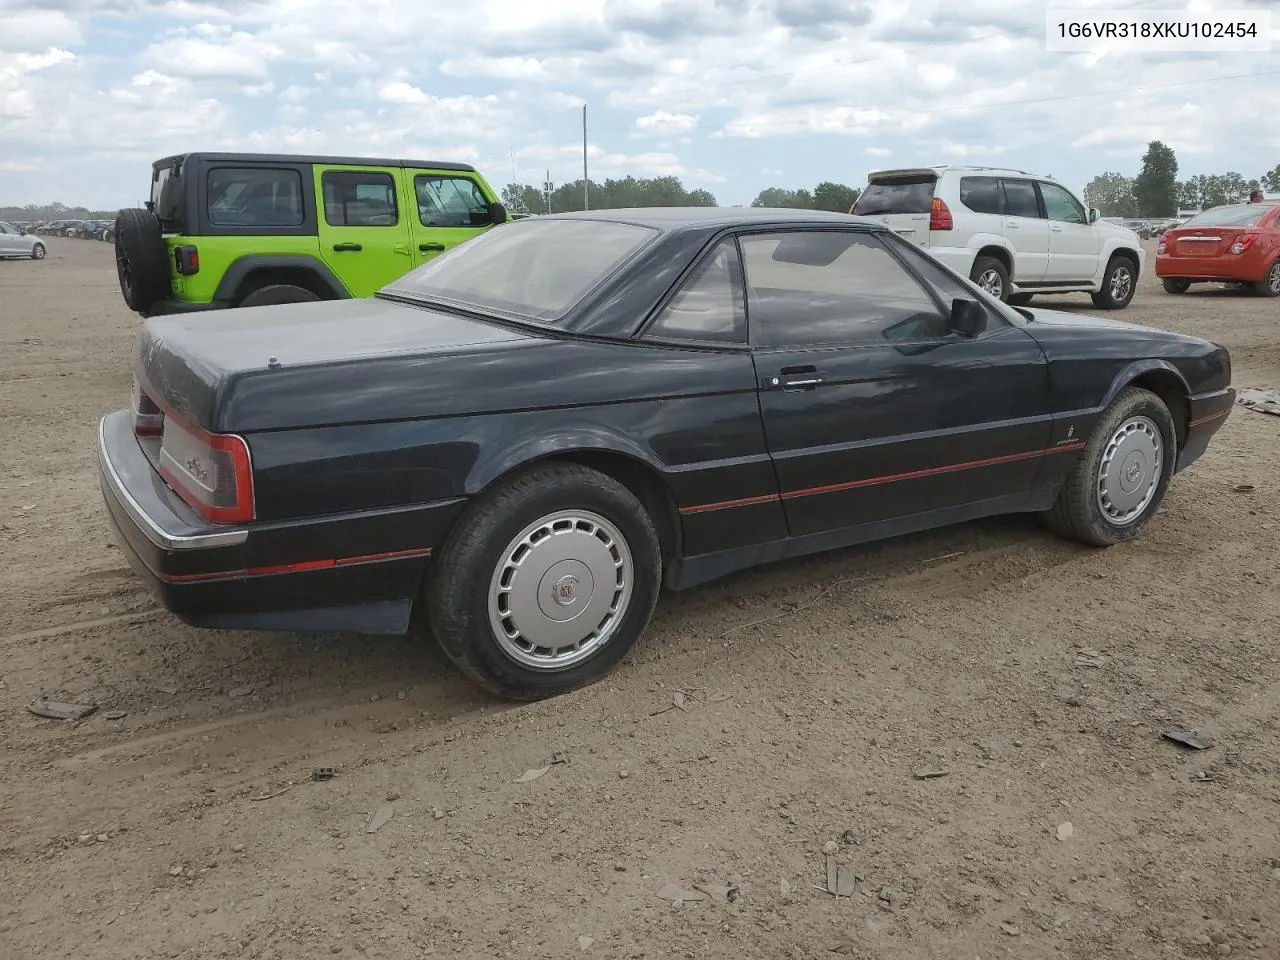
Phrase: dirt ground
(1037, 675)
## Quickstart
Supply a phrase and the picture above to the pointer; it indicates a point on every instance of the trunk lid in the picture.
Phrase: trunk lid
(902, 199)
(1198, 241)
(199, 365)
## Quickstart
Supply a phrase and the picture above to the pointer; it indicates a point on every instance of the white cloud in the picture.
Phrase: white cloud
(227, 56)
(38, 29)
(665, 123)
(878, 152)
(972, 150)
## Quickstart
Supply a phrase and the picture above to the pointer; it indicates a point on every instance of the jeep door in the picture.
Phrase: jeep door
(450, 207)
(362, 226)
(1025, 230)
(1073, 240)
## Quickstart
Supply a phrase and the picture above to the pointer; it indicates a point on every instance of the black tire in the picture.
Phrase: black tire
(1119, 284)
(1269, 286)
(457, 592)
(37, 251)
(1176, 285)
(1019, 299)
(278, 293)
(142, 259)
(1078, 514)
(995, 271)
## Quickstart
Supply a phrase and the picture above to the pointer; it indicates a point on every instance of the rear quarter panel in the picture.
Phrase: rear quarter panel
(218, 254)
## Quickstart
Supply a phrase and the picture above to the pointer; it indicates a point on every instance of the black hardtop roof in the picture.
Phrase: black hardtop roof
(315, 158)
(677, 218)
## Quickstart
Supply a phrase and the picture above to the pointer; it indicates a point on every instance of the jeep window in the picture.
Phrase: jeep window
(450, 201)
(363, 198)
(1020, 199)
(535, 270)
(981, 194)
(897, 195)
(254, 197)
(1060, 205)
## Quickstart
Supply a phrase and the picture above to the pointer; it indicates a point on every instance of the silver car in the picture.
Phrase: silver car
(15, 243)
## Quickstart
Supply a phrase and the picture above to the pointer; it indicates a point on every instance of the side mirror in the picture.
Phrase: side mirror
(497, 213)
(1094, 214)
(968, 317)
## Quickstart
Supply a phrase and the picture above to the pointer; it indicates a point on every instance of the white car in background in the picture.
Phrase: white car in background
(1013, 233)
(14, 242)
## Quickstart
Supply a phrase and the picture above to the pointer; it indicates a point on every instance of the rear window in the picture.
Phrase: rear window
(981, 194)
(897, 195)
(534, 269)
(1234, 216)
(254, 197)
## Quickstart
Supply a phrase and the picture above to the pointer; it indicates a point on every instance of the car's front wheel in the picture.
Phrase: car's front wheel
(37, 251)
(1119, 482)
(546, 582)
(1118, 284)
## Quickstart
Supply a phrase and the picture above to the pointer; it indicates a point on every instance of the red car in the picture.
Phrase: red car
(1237, 243)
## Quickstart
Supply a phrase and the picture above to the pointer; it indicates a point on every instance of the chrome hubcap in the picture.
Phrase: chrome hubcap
(1130, 472)
(560, 590)
(1121, 283)
(990, 281)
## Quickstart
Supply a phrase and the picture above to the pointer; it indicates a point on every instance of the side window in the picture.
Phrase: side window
(359, 198)
(947, 286)
(1060, 205)
(709, 306)
(254, 197)
(981, 194)
(833, 288)
(1020, 199)
(445, 201)
(4, 228)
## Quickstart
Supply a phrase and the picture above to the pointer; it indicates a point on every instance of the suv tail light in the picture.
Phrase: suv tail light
(186, 259)
(148, 419)
(1243, 243)
(210, 471)
(940, 216)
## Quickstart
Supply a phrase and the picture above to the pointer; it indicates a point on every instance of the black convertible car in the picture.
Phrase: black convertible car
(516, 444)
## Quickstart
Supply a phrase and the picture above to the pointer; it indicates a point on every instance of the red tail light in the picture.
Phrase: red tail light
(940, 216)
(1243, 242)
(212, 472)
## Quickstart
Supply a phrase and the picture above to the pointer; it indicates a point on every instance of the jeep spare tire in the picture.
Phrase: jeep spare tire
(142, 259)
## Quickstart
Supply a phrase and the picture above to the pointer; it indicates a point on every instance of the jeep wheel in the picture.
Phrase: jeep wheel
(1119, 284)
(990, 274)
(142, 260)
(277, 293)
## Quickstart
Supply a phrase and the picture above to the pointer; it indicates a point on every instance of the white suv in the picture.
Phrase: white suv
(1013, 233)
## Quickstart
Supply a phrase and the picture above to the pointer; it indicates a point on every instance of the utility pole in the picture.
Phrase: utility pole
(585, 203)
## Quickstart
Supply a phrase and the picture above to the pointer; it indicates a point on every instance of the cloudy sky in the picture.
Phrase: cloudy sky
(730, 95)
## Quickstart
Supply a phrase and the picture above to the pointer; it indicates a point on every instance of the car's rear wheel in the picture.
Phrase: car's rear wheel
(1119, 284)
(1176, 285)
(278, 293)
(1269, 286)
(142, 259)
(37, 251)
(1120, 480)
(546, 582)
(992, 276)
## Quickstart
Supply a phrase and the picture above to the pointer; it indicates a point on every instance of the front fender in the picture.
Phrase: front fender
(1135, 370)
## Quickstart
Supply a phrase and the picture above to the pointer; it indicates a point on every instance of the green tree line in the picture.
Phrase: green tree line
(54, 211)
(1156, 190)
(662, 192)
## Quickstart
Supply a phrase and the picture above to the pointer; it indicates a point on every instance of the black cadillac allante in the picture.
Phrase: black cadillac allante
(518, 443)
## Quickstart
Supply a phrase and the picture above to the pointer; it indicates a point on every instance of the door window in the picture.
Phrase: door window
(359, 198)
(710, 305)
(1020, 199)
(832, 288)
(445, 201)
(1060, 205)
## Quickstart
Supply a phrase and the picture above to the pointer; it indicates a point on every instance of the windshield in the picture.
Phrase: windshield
(1243, 215)
(534, 269)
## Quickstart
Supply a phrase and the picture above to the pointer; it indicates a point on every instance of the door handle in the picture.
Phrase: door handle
(345, 247)
(797, 378)
(1011, 224)
(401, 248)
(1056, 229)
(431, 247)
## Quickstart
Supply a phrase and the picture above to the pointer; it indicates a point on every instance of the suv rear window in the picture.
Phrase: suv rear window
(914, 195)
(254, 197)
(535, 269)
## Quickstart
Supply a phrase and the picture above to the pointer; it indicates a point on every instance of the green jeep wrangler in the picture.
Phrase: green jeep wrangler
(244, 229)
